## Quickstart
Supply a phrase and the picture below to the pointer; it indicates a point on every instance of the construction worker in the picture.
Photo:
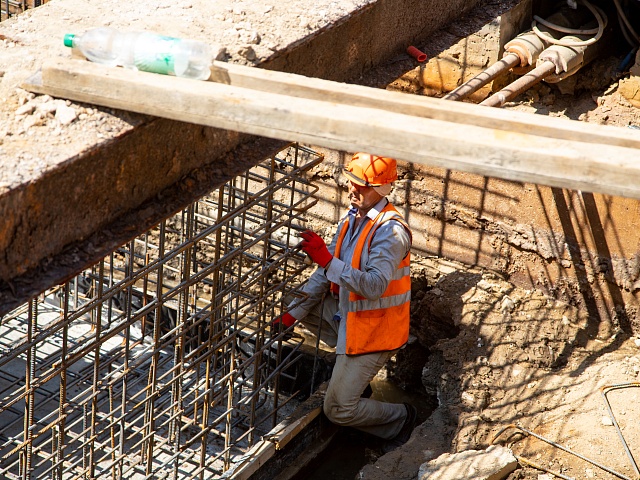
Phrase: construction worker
(358, 300)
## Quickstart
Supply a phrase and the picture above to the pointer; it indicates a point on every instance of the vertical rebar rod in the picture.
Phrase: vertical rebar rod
(85, 446)
(214, 328)
(63, 391)
(155, 359)
(96, 375)
(112, 434)
(130, 268)
(30, 394)
(260, 373)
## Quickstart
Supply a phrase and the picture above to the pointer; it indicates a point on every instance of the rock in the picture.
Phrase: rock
(252, 38)
(606, 421)
(65, 115)
(507, 305)
(33, 120)
(26, 109)
(248, 52)
(629, 88)
(220, 53)
(494, 463)
(48, 107)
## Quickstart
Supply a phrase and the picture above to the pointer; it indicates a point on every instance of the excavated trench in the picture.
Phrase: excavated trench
(502, 264)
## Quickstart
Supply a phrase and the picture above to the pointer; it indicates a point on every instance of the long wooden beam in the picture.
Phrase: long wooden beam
(496, 143)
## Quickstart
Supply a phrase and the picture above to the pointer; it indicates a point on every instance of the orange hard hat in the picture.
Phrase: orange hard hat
(371, 170)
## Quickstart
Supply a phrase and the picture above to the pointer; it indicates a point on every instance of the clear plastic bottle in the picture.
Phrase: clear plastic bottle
(144, 51)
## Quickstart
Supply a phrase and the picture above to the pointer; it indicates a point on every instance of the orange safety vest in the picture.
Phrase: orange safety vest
(381, 324)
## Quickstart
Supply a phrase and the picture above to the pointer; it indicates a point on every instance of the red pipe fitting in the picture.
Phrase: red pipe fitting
(417, 54)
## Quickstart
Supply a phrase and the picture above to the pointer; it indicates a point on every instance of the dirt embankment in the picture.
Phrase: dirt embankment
(501, 355)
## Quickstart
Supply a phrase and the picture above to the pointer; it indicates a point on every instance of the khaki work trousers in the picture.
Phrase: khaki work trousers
(351, 375)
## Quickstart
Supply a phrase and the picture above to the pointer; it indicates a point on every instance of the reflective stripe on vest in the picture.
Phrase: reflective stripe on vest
(381, 324)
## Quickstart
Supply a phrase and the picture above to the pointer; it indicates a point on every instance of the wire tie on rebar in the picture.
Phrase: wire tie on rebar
(565, 449)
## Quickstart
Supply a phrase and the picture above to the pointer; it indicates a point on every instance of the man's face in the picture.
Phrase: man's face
(363, 198)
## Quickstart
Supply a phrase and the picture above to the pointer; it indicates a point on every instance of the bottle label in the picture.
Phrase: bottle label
(156, 53)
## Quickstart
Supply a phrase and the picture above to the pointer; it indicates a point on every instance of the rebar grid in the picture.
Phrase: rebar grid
(9, 8)
(160, 360)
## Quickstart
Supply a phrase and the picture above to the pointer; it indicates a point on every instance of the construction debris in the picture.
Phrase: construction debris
(494, 463)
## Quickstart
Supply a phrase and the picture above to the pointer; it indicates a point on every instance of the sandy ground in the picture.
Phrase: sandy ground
(519, 358)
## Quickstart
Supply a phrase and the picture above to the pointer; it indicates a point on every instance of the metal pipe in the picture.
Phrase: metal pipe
(476, 83)
(522, 84)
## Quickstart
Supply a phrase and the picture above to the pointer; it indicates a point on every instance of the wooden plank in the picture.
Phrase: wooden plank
(491, 142)
(255, 458)
(457, 112)
(279, 436)
(294, 428)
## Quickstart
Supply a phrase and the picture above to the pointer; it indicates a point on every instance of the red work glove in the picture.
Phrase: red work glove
(286, 319)
(314, 246)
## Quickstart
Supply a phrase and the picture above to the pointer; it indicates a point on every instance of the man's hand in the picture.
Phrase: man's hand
(286, 319)
(314, 246)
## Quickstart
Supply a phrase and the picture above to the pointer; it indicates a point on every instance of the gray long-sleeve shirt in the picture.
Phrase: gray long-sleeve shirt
(389, 246)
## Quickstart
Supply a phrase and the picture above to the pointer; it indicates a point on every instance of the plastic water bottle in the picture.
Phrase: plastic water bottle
(144, 51)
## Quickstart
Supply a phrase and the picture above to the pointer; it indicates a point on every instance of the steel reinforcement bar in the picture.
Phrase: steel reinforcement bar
(160, 361)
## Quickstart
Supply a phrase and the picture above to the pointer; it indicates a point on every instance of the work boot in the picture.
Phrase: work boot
(405, 432)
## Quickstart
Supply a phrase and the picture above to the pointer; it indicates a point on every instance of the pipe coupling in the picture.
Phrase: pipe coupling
(527, 46)
(567, 60)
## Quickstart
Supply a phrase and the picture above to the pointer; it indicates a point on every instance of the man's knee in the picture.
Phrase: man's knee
(339, 414)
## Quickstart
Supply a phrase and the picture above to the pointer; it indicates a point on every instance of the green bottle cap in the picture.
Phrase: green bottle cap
(68, 39)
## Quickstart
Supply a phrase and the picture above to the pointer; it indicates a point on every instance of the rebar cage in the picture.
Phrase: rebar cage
(161, 361)
(9, 8)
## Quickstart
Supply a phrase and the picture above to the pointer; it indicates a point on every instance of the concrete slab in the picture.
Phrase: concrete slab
(65, 181)
(494, 463)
